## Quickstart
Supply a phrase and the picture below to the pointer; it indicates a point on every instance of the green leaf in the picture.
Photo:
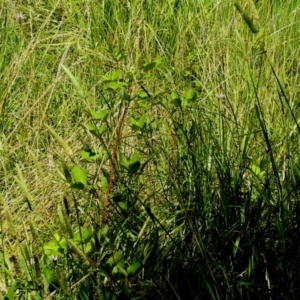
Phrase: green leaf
(119, 272)
(258, 172)
(55, 247)
(134, 267)
(104, 184)
(89, 154)
(11, 292)
(150, 66)
(123, 205)
(85, 234)
(102, 129)
(57, 236)
(175, 100)
(134, 167)
(143, 95)
(114, 86)
(118, 197)
(50, 247)
(115, 259)
(138, 124)
(48, 276)
(134, 124)
(79, 177)
(190, 95)
(112, 76)
(101, 115)
(135, 157)
(92, 128)
(88, 247)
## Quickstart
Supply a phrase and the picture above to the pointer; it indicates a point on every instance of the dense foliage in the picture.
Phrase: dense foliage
(149, 149)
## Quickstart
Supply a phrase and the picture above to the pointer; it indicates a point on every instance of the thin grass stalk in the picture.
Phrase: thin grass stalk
(22, 184)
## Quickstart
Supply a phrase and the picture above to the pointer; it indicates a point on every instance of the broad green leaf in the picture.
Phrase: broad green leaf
(85, 234)
(103, 184)
(90, 154)
(92, 128)
(125, 163)
(134, 267)
(138, 124)
(143, 95)
(57, 236)
(150, 66)
(102, 129)
(123, 205)
(175, 100)
(134, 124)
(79, 177)
(190, 95)
(101, 115)
(88, 247)
(51, 246)
(86, 154)
(134, 167)
(112, 76)
(135, 157)
(55, 247)
(118, 197)
(115, 259)
(258, 172)
(119, 272)
(103, 232)
(114, 86)
(48, 276)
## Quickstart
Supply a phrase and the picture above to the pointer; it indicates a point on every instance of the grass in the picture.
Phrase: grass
(149, 150)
